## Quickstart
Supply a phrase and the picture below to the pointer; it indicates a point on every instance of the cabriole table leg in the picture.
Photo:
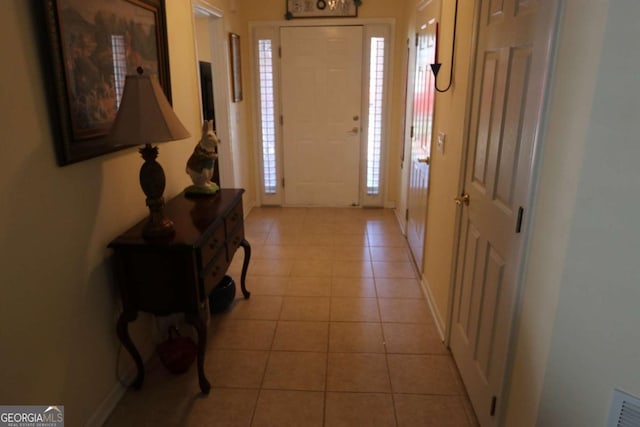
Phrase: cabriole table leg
(123, 333)
(245, 265)
(201, 329)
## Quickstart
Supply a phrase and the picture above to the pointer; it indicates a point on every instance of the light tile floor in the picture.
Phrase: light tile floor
(336, 333)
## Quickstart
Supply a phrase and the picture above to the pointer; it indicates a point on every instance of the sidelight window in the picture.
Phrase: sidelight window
(374, 133)
(267, 116)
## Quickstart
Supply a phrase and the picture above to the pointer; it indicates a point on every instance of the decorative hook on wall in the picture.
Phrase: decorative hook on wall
(435, 68)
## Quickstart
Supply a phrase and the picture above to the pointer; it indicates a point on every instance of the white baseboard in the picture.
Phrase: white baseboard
(401, 222)
(110, 402)
(435, 313)
(248, 206)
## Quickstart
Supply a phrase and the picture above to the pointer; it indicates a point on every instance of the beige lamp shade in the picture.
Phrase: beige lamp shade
(145, 116)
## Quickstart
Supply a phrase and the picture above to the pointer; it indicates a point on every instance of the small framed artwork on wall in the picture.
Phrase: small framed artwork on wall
(236, 69)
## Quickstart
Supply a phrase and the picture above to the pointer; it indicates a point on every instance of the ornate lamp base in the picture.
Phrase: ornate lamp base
(157, 224)
(152, 181)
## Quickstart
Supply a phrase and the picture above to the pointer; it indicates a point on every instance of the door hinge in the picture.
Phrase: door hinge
(417, 39)
(411, 132)
(494, 401)
(406, 214)
(282, 182)
(519, 223)
(281, 120)
(279, 51)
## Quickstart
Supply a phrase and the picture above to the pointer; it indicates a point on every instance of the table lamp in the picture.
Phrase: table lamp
(146, 117)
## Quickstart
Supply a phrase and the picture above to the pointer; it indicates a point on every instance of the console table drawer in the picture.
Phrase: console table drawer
(214, 272)
(234, 218)
(211, 247)
(233, 241)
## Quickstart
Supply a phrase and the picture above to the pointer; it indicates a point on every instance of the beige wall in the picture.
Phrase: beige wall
(450, 117)
(451, 110)
(203, 38)
(241, 117)
(59, 305)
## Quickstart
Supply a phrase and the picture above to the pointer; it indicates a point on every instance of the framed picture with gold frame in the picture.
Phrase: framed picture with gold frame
(90, 47)
(322, 9)
(236, 69)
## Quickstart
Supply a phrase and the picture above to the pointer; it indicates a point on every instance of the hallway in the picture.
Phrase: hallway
(336, 333)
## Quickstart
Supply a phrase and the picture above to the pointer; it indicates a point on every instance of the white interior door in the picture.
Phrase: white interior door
(512, 63)
(321, 72)
(423, 114)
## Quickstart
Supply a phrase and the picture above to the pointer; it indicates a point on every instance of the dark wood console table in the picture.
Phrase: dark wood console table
(176, 274)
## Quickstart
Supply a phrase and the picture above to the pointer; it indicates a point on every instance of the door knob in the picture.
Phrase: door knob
(353, 131)
(464, 198)
(426, 160)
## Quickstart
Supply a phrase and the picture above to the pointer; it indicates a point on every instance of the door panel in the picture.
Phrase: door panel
(512, 63)
(470, 262)
(520, 62)
(483, 132)
(321, 97)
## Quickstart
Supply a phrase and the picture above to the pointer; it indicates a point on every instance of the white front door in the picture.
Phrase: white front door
(512, 62)
(423, 112)
(321, 101)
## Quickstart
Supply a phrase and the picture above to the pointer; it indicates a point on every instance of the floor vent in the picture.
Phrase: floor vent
(625, 410)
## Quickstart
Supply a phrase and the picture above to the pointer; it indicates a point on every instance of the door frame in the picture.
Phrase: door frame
(533, 172)
(221, 85)
(371, 27)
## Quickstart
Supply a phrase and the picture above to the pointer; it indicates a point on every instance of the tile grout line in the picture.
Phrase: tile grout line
(266, 366)
(384, 341)
(326, 368)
